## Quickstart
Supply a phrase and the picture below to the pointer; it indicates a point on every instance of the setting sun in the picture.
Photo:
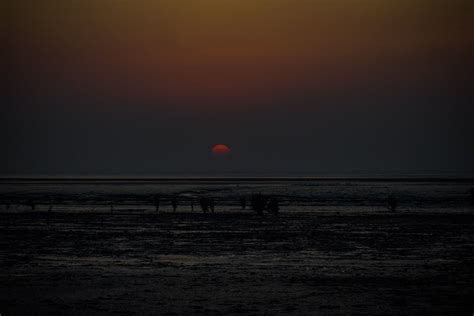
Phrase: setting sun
(220, 149)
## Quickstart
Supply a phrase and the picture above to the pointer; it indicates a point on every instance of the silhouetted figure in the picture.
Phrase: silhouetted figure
(273, 206)
(111, 207)
(392, 202)
(192, 205)
(258, 202)
(243, 202)
(211, 205)
(31, 203)
(174, 203)
(204, 203)
(157, 201)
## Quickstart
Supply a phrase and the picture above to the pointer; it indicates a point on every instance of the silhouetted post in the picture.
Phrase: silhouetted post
(392, 202)
(273, 206)
(157, 203)
(174, 203)
(211, 205)
(243, 202)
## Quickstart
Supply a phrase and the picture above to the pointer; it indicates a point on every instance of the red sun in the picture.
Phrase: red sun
(220, 150)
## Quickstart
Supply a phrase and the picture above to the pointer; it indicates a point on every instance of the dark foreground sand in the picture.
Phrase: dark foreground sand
(236, 263)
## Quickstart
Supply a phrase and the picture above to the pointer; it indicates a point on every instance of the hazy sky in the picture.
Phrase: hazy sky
(146, 87)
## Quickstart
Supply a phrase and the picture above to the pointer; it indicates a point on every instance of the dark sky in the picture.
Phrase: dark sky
(293, 87)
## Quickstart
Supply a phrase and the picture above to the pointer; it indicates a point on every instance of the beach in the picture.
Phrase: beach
(104, 248)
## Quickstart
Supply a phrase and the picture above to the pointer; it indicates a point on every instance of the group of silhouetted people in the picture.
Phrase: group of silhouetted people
(207, 204)
(259, 203)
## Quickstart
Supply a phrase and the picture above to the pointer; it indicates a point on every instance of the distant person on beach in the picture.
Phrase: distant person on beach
(157, 202)
(211, 205)
(174, 203)
(204, 203)
(48, 217)
(273, 206)
(31, 204)
(243, 202)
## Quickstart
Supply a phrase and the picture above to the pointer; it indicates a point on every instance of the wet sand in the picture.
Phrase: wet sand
(236, 263)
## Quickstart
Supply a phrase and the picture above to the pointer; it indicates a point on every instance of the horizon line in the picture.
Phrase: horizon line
(413, 177)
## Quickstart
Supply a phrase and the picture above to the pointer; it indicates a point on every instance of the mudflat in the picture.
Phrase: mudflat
(299, 262)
